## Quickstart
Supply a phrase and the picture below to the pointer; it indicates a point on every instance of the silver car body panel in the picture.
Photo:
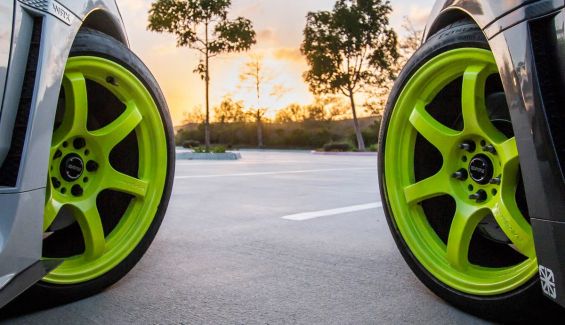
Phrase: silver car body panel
(6, 15)
(21, 206)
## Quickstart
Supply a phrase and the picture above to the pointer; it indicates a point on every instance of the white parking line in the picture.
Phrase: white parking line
(213, 163)
(324, 213)
(275, 173)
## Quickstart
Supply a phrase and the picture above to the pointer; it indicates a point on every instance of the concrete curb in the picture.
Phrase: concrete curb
(350, 154)
(208, 156)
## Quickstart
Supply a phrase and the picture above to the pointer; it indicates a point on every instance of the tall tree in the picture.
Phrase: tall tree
(256, 76)
(203, 25)
(407, 45)
(254, 72)
(348, 48)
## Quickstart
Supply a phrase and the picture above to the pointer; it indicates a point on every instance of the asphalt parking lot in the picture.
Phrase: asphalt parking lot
(253, 242)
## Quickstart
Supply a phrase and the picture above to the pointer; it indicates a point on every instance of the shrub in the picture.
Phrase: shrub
(338, 146)
(373, 148)
(189, 144)
(218, 149)
(214, 149)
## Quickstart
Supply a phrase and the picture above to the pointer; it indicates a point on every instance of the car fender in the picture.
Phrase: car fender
(483, 12)
(40, 42)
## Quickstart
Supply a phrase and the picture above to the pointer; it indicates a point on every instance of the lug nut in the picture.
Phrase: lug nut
(55, 182)
(468, 146)
(495, 181)
(76, 190)
(92, 166)
(79, 143)
(461, 174)
(480, 196)
(489, 148)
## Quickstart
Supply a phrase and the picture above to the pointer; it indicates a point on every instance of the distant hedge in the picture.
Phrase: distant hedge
(307, 134)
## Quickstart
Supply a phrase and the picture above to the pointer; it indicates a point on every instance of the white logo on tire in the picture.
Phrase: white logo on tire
(547, 281)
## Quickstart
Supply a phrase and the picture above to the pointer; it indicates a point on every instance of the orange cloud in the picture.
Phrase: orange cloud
(289, 54)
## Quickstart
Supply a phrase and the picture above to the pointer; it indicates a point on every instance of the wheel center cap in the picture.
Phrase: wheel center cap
(72, 167)
(480, 169)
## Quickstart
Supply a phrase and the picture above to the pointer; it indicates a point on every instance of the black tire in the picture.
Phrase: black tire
(44, 295)
(524, 304)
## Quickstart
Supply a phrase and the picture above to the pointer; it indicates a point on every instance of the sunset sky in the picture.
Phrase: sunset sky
(279, 25)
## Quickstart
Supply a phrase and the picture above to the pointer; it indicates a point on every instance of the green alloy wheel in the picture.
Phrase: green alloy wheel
(81, 169)
(111, 170)
(479, 173)
(451, 180)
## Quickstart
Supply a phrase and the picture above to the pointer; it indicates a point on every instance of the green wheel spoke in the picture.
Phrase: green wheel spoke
(113, 133)
(442, 137)
(518, 230)
(76, 107)
(121, 182)
(90, 223)
(52, 151)
(505, 210)
(508, 151)
(52, 208)
(473, 100)
(428, 188)
(475, 116)
(464, 223)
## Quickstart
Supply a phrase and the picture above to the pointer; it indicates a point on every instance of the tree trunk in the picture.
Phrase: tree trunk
(358, 134)
(259, 130)
(207, 81)
(207, 123)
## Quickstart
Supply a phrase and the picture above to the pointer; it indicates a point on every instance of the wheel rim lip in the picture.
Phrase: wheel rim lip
(411, 222)
(153, 161)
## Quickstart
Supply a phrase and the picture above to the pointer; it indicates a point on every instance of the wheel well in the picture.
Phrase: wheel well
(106, 23)
(447, 18)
